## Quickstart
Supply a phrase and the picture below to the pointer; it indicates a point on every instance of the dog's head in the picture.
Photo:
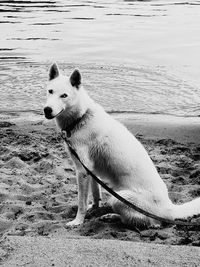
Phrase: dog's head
(61, 92)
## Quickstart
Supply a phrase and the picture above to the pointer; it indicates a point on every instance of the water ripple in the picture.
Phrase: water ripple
(123, 89)
(157, 37)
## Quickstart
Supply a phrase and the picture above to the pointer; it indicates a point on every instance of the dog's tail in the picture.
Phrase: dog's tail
(187, 209)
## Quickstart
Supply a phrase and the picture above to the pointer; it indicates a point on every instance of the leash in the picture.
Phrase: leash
(123, 200)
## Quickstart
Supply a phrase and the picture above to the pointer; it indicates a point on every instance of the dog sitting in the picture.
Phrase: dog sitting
(112, 153)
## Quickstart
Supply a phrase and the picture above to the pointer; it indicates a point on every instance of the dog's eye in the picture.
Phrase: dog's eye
(63, 96)
(50, 91)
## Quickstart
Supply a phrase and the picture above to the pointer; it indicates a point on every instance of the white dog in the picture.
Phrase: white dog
(111, 152)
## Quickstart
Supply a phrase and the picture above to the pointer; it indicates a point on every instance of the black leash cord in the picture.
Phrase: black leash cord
(123, 200)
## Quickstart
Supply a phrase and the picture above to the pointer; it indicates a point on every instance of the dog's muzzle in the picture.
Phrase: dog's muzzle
(48, 113)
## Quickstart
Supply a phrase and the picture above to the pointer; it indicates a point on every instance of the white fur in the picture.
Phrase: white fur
(109, 150)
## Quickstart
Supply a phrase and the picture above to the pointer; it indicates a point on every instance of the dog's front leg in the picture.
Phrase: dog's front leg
(96, 193)
(83, 190)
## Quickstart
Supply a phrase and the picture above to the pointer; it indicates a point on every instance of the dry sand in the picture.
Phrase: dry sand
(38, 194)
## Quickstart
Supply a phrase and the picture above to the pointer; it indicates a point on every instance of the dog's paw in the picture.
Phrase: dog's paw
(73, 223)
(111, 218)
(155, 226)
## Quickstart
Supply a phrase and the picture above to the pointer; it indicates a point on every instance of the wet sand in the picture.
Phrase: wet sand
(38, 192)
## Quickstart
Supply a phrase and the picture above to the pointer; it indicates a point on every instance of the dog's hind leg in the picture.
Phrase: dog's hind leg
(129, 216)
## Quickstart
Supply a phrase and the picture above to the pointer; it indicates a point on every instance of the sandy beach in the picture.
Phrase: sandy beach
(38, 192)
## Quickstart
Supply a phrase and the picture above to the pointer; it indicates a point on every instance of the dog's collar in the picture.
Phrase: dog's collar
(67, 132)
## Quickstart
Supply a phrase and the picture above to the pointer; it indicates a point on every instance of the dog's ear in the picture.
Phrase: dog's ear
(75, 78)
(54, 71)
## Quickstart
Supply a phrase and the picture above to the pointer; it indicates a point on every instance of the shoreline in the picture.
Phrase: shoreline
(179, 128)
(117, 113)
(33, 115)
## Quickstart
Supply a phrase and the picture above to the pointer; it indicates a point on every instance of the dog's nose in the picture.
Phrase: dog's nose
(48, 112)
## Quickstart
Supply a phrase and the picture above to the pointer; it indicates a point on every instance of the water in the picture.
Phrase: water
(135, 56)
